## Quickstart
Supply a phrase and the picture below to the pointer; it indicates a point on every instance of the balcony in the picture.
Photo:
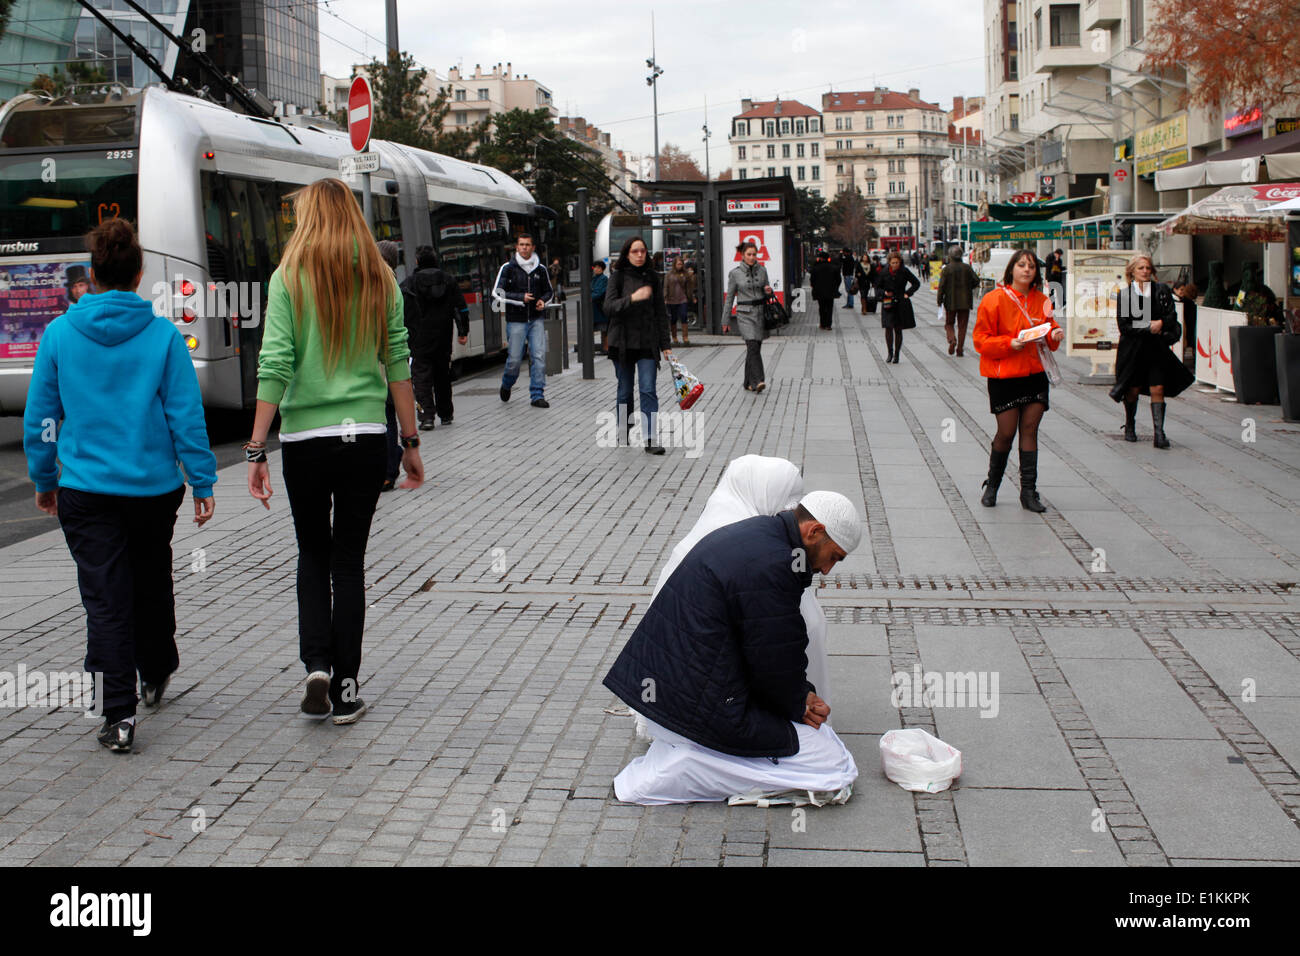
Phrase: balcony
(1102, 13)
(1072, 56)
(895, 197)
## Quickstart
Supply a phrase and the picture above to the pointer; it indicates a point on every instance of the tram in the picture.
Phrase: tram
(208, 189)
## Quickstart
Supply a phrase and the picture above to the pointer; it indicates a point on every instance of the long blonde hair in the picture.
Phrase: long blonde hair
(332, 246)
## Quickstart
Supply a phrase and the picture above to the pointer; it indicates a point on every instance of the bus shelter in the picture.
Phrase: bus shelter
(725, 213)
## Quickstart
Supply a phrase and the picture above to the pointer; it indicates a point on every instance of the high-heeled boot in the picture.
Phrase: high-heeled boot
(1130, 420)
(997, 467)
(1158, 423)
(1029, 482)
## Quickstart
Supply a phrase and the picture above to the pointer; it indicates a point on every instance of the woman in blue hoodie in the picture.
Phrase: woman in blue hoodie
(115, 402)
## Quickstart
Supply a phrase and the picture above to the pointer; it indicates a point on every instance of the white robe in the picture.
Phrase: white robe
(678, 770)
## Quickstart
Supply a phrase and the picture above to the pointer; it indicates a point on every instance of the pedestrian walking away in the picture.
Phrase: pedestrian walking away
(847, 264)
(334, 346)
(434, 309)
(896, 285)
(825, 278)
(693, 293)
(521, 290)
(722, 650)
(676, 295)
(110, 473)
(1144, 363)
(864, 275)
(956, 294)
(556, 271)
(747, 290)
(638, 335)
(599, 285)
(1018, 385)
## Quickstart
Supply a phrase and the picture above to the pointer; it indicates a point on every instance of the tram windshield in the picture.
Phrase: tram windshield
(64, 195)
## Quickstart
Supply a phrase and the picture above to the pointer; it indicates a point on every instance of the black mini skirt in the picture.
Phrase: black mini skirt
(1007, 393)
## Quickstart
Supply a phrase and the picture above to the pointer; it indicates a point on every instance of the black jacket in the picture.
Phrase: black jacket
(825, 278)
(900, 285)
(721, 654)
(513, 283)
(1138, 348)
(866, 279)
(846, 265)
(432, 302)
(636, 325)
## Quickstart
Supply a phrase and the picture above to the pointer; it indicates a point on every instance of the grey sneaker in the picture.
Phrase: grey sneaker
(316, 695)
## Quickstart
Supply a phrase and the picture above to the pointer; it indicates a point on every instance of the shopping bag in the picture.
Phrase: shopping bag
(689, 388)
(915, 760)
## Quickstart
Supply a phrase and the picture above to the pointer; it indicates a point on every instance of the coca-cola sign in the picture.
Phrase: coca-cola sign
(1277, 191)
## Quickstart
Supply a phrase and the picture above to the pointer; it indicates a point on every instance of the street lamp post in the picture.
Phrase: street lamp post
(652, 82)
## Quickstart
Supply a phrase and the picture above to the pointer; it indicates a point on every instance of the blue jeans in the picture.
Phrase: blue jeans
(645, 372)
(848, 304)
(535, 333)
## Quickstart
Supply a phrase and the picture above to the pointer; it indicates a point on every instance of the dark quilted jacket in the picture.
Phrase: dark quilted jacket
(724, 645)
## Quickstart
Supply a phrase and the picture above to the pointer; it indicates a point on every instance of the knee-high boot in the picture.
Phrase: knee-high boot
(1029, 482)
(1158, 423)
(1130, 420)
(997, 467)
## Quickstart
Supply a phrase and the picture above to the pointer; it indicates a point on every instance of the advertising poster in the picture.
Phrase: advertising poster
(771, 251)
(32, 295)
(1095, 277)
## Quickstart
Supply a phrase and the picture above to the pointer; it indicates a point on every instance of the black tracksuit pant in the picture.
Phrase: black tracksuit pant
(320, 473)
(431, 374)
(123, 550)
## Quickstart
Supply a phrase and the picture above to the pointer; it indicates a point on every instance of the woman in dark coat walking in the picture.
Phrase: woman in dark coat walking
(864, 274)
(825, 280)
(1144, 364)
(638, 334)
(895, 286)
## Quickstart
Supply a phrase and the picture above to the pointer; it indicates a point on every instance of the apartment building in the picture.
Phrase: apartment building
(577, 128)
(889, 145)
(968, 173)
(779, 138)
(477, 96)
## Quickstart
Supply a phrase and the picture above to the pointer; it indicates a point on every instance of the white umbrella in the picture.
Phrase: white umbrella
(1290, 204)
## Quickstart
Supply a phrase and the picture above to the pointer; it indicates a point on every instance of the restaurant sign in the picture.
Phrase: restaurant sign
(1155, 139)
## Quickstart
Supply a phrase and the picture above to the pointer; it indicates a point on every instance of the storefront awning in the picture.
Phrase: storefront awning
(1031, 211)
(1009, 231)
(1241, 164)
(1241, 211)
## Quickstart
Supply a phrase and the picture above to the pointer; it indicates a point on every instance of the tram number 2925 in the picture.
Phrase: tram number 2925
(120, 154)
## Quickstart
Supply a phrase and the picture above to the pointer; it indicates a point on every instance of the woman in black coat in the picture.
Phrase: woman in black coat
(825, 281)
(864, 274)
(638, 334)
(1144, 364)
(895, 286)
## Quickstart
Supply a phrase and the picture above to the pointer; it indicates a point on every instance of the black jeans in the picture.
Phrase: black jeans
(318, 473)
(393, 452)
(826, 309)
(123, 550)
(753, 362)
(431, 375)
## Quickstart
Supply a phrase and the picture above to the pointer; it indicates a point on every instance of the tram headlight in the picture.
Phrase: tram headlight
(191, 342)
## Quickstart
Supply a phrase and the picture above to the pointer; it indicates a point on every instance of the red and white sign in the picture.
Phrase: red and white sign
(753, 205)
(1120, 175)
(770, 240)
(360, 113)
(1278, 192)
(668, 208)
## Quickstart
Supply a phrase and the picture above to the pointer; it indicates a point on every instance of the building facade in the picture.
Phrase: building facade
(39, 39)
(483, 94)
(779, 138)
(611, 159)
(968, 173)
(891, 147)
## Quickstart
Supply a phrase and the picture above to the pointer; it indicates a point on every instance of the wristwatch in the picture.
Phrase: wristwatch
(410, 441)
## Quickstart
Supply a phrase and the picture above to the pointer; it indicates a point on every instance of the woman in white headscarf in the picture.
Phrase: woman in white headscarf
(754, 485)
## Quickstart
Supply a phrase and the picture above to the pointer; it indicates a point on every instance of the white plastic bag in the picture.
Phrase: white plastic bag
(915, 760)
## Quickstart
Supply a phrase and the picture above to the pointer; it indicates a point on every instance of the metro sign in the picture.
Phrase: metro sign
(753, 205)
(1121, 175)
(360, 113)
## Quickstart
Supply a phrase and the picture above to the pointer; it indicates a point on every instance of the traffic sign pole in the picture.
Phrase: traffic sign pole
(360, 122)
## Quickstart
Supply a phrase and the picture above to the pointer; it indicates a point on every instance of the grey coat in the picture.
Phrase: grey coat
(745, 290)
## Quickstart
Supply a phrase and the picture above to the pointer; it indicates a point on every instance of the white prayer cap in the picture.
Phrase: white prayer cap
(838, 515)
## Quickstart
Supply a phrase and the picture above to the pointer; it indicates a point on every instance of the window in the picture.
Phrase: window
(890, 120)
(483, 93)
(785, 150)
(769, 128)
(1038, 29)
(839, 169)
(901, 142)
(801, 171)
(1065, 24)
(816, 150)
(785, 127)
(740, 151)
(891, 165)
(771, 171)
(814, 126)
(771, 151)
(798, 127)
(742, 174)
(839, 144)
(900, 166)
(461, 118)
(798, 150)
(1136, 20)
(816, 172)
(460, 96)
(1013, 73)
(839, 122)
(891, 185)
(785, 170)
(848, 144)
(870, 122)
(871, 188)
(848, 122)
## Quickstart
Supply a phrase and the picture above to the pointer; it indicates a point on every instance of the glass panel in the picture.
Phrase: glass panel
(86, 190)
(69, 126)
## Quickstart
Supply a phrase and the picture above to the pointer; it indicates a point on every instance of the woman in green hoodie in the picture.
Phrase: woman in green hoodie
(333, 349)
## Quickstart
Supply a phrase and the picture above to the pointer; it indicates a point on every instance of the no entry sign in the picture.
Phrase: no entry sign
(360, 113)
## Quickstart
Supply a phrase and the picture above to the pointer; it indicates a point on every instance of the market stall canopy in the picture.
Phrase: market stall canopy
(1031, 211)
(1241, 164)
(1242, 211)
(1004, 232)
(1291, 205)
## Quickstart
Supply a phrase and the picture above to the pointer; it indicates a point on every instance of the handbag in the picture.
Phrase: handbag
(1045, 354)
(774, 313)
(853, 286)
(689, 388)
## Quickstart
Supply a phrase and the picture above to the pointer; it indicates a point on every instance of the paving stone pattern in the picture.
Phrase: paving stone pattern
(1146, 633)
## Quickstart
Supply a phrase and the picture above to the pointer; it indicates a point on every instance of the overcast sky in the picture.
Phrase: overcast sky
(592, 56)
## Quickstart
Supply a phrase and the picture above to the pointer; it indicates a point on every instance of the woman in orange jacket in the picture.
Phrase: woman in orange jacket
(1018, 385)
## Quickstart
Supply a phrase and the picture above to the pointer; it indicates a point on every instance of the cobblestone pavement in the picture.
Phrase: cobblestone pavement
(1145, 635)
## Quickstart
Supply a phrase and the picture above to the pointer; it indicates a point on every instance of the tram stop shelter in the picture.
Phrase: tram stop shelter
(719, 215)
